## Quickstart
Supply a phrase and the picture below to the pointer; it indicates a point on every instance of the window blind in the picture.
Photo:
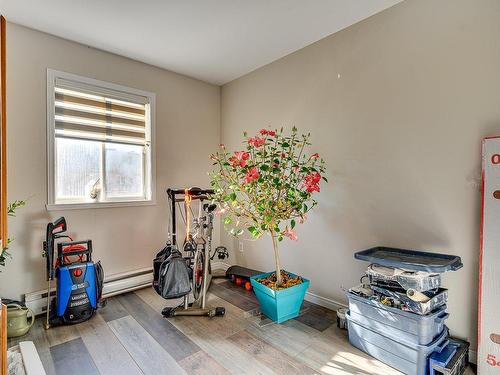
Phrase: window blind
(99, 116)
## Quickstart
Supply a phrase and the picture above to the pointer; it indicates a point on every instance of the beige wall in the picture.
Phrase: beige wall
(124, 238)
(397, 105)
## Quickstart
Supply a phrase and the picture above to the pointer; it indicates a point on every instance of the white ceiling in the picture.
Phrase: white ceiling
(213, 40)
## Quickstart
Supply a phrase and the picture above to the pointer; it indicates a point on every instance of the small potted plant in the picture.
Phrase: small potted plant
(267, 188)
(11, 211)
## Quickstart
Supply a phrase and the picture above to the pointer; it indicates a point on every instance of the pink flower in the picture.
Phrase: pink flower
(239, 158)
(291, 234)
(256, 141)
(311, 182)
(234, 161)
(312, 178)
(315, 156)
(242, 155)
(271, 133)
(312, 188)
(221, 211)
(302, 219)
(251, 175)
(222, 146)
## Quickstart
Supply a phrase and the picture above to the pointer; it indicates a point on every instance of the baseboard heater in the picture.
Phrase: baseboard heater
(113, 285)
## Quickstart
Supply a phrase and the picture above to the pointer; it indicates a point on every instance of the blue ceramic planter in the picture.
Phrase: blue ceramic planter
(280, 305)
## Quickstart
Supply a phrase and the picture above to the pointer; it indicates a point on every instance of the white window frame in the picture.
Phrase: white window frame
(101, 87)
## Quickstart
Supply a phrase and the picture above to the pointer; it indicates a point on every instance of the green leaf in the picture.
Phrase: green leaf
(325, 179)
(264, 167)
(254, 231)
(292, 223)
(227, 220)
(305, 207)
(232, 197)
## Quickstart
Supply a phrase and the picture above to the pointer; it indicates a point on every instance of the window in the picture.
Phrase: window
(100, 143)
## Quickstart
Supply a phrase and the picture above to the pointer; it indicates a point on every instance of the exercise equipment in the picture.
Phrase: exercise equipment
(79, 280)
(196, 251)
(241, 276)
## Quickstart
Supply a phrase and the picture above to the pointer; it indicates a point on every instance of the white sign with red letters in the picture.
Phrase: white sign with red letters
(488, 360)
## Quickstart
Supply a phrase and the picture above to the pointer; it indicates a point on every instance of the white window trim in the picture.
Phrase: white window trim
(51, 204)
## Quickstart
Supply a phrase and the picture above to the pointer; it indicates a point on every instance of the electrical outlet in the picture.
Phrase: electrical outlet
(240, 246)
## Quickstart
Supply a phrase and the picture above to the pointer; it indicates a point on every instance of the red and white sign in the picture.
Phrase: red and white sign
(488, 360)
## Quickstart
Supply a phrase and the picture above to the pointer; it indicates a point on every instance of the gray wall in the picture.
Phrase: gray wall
(397, 105)
(125, 238)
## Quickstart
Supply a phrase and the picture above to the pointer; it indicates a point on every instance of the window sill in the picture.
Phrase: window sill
(86, 206)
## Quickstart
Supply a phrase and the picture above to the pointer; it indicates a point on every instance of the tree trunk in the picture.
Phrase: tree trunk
(276, 259)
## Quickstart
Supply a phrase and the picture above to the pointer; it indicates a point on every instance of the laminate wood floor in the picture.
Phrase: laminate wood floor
(130, 336)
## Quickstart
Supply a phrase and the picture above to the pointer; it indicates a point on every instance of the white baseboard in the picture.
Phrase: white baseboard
(323, 301)
(220, 265)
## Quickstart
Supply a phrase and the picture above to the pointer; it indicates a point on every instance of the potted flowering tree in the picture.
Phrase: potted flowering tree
(268, 187)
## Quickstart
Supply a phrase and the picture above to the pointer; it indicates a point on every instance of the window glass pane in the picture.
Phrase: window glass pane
(77, 168)
(124, 170)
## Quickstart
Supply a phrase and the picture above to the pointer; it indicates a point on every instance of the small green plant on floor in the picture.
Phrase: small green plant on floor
(11, 211)
(268, 186)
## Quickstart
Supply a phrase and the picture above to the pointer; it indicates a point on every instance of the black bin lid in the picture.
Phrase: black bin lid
(410, 259)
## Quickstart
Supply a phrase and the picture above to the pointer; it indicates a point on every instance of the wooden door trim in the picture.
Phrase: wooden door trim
(3, 136)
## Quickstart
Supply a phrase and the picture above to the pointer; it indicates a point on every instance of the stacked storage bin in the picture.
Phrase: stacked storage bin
(398, 313)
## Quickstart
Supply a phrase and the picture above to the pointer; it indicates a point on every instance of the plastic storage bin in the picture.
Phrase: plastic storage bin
(421, 308)
(395, 277)
(411, 359)
(395, 323)
(410, 259)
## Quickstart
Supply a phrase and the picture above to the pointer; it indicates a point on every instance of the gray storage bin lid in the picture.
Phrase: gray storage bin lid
(410, 259)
